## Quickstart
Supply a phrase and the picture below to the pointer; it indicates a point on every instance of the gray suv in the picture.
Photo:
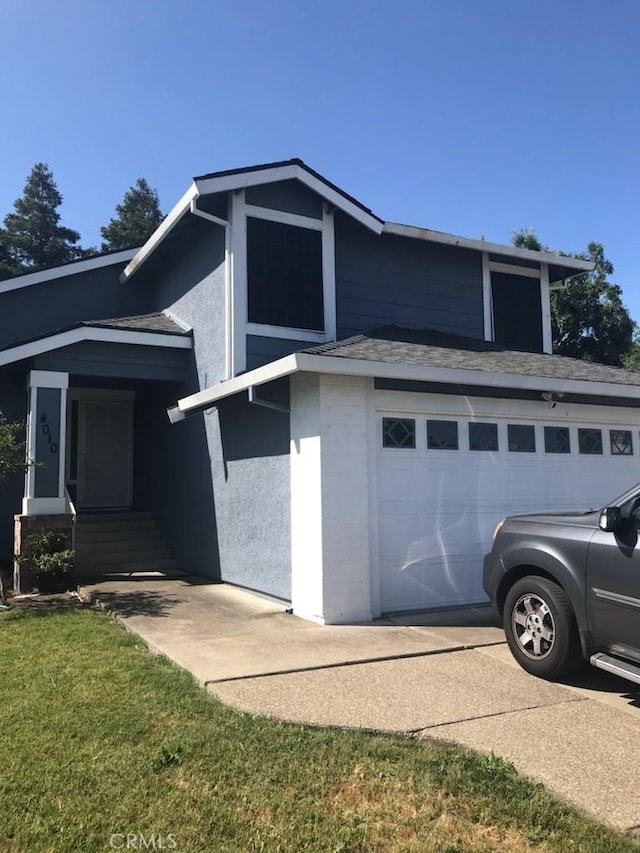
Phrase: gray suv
(568, 588)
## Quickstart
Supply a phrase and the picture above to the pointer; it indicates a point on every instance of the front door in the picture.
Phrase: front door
(105, 451)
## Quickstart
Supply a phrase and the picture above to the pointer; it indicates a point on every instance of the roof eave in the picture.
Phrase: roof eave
(294, 170)
(310, 363)
(168, 223)
(578, 265)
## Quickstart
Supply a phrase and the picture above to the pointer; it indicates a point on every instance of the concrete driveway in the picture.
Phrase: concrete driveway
(445, 675)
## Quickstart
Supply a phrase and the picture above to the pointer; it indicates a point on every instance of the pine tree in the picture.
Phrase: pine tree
(138, 217)
(33, 237)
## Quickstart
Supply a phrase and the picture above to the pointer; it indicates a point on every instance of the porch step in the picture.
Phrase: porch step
(120, 543)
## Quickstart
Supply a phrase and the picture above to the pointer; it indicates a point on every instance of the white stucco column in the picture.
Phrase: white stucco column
(46, 441)
(330, 478)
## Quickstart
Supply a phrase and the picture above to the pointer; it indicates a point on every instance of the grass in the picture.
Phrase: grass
(100, 739)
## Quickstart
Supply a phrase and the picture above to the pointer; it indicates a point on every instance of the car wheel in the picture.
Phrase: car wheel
(541, 628)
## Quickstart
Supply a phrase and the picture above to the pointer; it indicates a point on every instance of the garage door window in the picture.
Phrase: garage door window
(442, 435)
(556, 440)
(483, 436)
(399, 432)
(621, 442)
(590, 442)
(522, 438)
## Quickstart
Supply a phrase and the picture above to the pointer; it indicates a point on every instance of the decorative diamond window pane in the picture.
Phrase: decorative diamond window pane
(522, 438)
(621, 442)
(556, 440)
(442, 435)
(398, 432)
(590, 442)
(483, 436)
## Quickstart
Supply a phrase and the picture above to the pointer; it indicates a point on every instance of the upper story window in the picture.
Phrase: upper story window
(517, 309)
(284, 275)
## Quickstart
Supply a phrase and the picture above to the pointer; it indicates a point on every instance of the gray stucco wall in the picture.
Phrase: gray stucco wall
(249, 447)
(43, 308)
(412, 283)
(172, 478)
(189, 282)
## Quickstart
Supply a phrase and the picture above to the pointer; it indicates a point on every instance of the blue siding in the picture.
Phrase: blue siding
(43, 308)
(413, 283)
(261, 350)
(289, 196)
(122, 361)
(13, 404)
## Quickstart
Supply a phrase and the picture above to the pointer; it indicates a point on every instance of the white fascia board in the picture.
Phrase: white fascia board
(92, 333)
(67, 270)
(169, 222)
(267, 373)
(398, 230)
(241, 180)
(461, 376)
(309, 363)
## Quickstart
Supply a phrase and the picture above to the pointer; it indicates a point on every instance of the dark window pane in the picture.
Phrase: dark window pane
(442, 435)
(556, 440)
(398, 432)
(284, 272)
(590, 441)
(522, 438)
(517, 311)
(621, 442)
(483, 436)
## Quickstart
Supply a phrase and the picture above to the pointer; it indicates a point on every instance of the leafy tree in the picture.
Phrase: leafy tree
(138, 217)
(8, 266)
(11, 448)
(33, 237)
(588, 318)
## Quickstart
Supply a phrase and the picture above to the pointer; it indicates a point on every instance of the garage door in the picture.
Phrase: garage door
(451, 468)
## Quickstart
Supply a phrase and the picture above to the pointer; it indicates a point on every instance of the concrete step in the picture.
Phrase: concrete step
(149, 538)
(124, 555)
(89, 528)
(99, 517)
(166, 565)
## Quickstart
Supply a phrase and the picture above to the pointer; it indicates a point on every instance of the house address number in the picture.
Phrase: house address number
(46, 431)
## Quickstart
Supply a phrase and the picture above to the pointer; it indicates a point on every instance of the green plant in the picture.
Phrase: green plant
(46, 552)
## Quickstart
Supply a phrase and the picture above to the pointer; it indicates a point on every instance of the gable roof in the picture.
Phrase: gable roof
(425, 355)
(233, 179)
(282, 170)
(105, 259)
(144, 329)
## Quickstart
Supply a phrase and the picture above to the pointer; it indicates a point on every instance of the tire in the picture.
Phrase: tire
(541, 628)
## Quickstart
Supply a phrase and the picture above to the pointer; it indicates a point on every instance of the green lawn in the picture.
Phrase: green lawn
(100, 739)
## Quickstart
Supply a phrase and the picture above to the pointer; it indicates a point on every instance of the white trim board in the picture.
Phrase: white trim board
(417, 372)
(92, 333)
(73, 268)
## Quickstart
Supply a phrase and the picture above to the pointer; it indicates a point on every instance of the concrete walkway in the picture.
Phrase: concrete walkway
(446, 675)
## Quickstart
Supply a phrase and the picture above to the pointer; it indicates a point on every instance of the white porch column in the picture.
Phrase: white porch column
(330, 552)
(46, 442)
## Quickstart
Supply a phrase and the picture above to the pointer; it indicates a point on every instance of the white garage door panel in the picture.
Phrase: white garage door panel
(437, 509)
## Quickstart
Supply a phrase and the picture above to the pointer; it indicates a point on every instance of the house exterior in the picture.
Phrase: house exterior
(352, 404)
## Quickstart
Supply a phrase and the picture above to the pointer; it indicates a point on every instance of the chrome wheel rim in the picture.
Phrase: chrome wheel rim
(533, 626)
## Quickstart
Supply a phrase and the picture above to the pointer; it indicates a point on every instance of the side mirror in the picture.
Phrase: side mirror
(610, 519)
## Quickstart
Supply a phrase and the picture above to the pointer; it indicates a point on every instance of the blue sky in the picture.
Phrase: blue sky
(468, 117)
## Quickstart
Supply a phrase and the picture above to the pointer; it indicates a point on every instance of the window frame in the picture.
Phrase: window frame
(401, 447)
(239, 321)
